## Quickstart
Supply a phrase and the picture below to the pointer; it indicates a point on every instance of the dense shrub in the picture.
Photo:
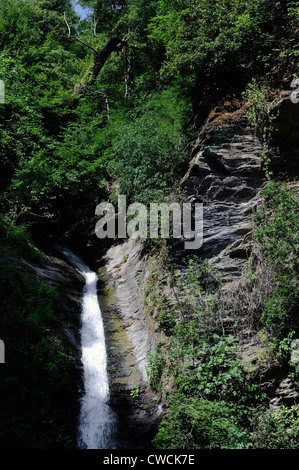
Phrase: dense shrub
(196, 423)
(277, 234)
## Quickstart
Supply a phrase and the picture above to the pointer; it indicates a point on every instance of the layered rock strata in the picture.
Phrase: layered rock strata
(225, 175)
(131, 333)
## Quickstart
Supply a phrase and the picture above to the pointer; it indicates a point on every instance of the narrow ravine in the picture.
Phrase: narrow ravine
(97, 421)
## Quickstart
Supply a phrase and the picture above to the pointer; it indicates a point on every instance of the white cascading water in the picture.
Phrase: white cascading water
(96, 421)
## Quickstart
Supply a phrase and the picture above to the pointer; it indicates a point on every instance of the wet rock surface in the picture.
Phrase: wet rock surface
(59, 274)
(69, 284)
(130, 334)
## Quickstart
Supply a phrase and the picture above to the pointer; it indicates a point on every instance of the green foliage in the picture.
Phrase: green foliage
(39, 69)
(135, 392)
(277, 227)
(70, 170)
(215, 369)
(261, 113)
(196, 423)
(15, 238)
(167, 316)
(276, 232)
(209, 395)
(148, 151)
(277, 429)
(155, 366)
(257, 106)
(215, 36)
(280, 311)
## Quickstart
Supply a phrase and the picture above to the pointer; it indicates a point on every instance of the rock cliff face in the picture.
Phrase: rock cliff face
(127, 273)
(225, 175)
(69, 283)
(66, 326)
(131, 333)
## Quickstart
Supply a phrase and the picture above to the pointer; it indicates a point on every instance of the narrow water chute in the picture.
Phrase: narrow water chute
(96, 420)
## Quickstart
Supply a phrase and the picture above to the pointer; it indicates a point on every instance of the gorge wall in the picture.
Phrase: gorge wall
(62, 332)
(226, 175)
(131, 333)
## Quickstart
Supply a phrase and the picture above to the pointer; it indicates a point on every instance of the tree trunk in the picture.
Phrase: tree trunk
(100, 58)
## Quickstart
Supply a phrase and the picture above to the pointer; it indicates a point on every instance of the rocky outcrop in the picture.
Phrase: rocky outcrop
(225, 175)
(126, 269)
(69, 283)
(65, 327)
(131, 332)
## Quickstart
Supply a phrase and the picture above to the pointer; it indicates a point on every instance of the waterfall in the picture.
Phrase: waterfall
(96, 420)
